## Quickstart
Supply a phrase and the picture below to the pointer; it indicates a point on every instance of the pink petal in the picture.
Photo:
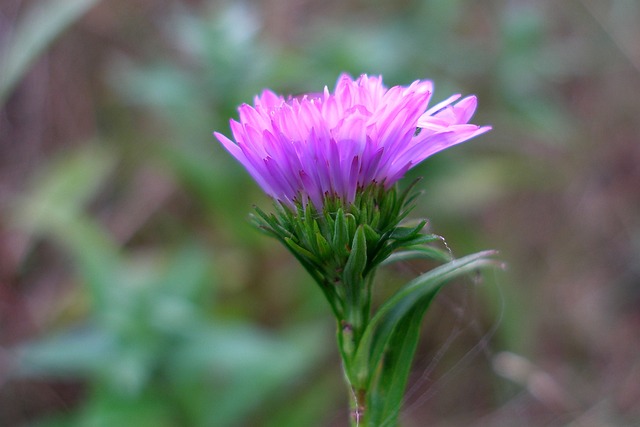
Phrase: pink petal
(335, 143)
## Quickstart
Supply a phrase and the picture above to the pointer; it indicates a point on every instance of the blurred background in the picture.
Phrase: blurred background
(135, 292)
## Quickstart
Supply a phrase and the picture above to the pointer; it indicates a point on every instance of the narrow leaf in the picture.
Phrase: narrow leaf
(400, 233)
(425, 287)
(39, 27)
(418, 240)
(421, 252)
(386, 395)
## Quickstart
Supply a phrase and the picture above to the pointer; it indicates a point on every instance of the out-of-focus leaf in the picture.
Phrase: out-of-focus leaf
(40, 26)
(53, 207)
(60, 190)
(73, 353)
(246, 366)
(307, 407)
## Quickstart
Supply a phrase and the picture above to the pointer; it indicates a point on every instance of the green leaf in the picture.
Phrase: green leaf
(386, 395)
(386, 252)
(54, 204)
(35, 31)
(60, 190)
(72, 353)
(398, 244)
(419, 239)
(419, 291)
(420, 252)
(402, 233)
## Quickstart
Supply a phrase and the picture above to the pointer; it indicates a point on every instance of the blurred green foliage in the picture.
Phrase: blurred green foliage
(152, 345)
(132, 275)
(36, 30)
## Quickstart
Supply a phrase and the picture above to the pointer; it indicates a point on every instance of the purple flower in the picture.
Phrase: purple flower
(332, 144)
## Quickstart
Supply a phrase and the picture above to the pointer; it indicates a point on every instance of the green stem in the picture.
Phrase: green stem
(366, 306)
(347, 347)
(350, 332)
(358, 408)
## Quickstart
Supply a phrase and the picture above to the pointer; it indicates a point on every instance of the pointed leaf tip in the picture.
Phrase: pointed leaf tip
(357, 261)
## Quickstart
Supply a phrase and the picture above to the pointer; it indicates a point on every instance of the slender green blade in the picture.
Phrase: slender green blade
(45, 21)
(421, 252)
(381, 327)
(387, 393)
(402, 233)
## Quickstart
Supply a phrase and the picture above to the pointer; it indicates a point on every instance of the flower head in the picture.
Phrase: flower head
(333, 144)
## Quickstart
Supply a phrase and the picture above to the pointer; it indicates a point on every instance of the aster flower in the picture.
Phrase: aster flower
(332, 144)
(330, 161)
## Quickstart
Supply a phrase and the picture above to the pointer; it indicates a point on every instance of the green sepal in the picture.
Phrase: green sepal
(371, 235)
(324, 249)
(389, 210)
(294, 247)
(310, 228)
(374, 222)
(340, 234)
(327, 241)
(352, 224)
(269, 225)
(357, 261)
